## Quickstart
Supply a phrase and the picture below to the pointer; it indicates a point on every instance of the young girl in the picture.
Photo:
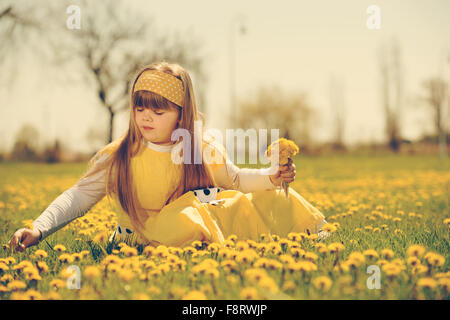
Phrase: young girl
(162, 201)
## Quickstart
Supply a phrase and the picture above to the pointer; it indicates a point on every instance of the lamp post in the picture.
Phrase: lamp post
(236, 20)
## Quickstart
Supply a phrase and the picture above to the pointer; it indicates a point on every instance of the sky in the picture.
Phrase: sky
(297, 45)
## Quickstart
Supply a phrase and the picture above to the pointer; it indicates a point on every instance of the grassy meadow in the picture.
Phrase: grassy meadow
(389, 218)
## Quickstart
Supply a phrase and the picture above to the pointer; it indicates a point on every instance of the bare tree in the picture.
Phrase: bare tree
(337, 104)
(274, 109)
(436, 98)
(391, 72)
(112, 43)
(21, 30)
(26, 144)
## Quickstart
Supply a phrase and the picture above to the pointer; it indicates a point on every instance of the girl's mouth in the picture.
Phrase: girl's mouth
(148, 128)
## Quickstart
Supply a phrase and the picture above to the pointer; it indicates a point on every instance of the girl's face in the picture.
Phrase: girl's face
(161, 122)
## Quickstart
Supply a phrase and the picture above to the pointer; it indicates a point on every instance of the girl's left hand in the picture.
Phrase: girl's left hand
(285, 173)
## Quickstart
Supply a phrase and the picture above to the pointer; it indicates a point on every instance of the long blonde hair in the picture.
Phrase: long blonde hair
(118, 172)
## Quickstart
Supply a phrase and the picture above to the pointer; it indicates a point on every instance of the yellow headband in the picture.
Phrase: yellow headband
(162, 83)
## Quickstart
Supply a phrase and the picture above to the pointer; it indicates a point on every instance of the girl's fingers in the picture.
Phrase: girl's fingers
(26, 240)
(289, 166)
(289, 174)
(16, 240)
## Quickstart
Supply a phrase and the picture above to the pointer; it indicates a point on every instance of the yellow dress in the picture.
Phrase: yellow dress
(246, 215)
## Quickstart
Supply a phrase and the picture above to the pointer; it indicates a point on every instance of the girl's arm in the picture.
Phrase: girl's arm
(72, 203)
(246, 180)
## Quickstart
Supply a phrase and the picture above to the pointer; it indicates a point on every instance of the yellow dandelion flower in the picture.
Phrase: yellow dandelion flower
(28, 223)
(322, 283)
(241, 245)
(261, 263)
(329, 227)
(3, 267)
(370, 253)
(59, 248)
(306, 266)
(289, 286)
(190, 250)
(126, 274)
(419, 269)
(268, 283)
(391, 269)
(100, 237)
(210, 263)
(387, 253)
(171, 258)
(274, 265)
(249, 293)
(358, 257)
(66, 273)
(128, 251)
(246, 256)
(311, 256)
(336, 247)
(229, 265)
(140, 296)
(40, 254)
(275, 248)
(32, 294)
(382, 262)
(297, 252)
(255, 274)
(214, 247)
(194, 295)
(444, 283)
(232, 279)
(416, 250)
(16, 285)
(52, 295)
(313, 237)
(91, 272)
(428, 283)
(212, 273)
(65, 258)
(447, 222)
(30, 271)
(33, 276)
(153, 290)
(434, 259)
(57, 283)
(197, 244)
(42, 266)
(148, 251)
(22, 265)
(77, 257)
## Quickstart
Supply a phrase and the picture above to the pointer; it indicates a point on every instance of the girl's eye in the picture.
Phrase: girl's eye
(142, 109)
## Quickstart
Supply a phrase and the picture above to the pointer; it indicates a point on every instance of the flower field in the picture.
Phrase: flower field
(388, 216)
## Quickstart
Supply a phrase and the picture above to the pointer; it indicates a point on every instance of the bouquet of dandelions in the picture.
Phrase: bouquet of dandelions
(286, 150)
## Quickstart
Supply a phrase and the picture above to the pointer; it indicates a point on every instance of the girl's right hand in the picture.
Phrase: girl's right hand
(24, 238)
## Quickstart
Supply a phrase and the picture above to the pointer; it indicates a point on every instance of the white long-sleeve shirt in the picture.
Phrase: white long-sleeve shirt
(79, 199)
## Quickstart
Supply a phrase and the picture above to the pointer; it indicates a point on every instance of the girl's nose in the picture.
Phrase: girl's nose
(147, 114)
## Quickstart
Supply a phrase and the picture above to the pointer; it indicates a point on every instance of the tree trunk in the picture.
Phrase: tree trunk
(111, 124)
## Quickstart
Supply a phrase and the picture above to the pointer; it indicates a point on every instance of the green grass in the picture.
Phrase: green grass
(336, 185)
